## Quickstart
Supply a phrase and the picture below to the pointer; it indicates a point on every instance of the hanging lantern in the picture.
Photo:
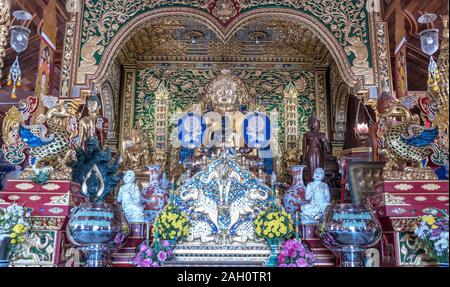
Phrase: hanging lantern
(361, 128)
(429, 39)
(19, 43)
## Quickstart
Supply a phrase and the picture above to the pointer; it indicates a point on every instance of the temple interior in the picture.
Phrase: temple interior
(224, 133)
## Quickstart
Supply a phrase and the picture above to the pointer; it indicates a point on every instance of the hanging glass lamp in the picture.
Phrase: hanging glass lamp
(19, 43)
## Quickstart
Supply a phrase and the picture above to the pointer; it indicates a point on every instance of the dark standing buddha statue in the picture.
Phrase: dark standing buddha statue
(314, 147)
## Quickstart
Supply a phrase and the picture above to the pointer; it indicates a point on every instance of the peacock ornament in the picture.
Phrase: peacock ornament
(48, 141)
(406, 141)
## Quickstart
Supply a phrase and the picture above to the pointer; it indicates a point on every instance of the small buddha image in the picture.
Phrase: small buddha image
(93, 125)
(135, 152)
(318, 196)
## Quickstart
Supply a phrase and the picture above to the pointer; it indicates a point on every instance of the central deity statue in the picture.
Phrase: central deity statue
(225, 93)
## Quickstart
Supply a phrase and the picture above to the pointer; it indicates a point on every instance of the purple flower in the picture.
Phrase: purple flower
(292, 265)
(280, 259)
(162, 256)
(149, 252)
(165, 243)
(283, 265)
(154, 264)
(169, 253)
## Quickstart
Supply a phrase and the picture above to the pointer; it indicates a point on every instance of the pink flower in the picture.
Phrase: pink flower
(169, 253)
(143, 248)
(165, 243)
(162, 256)
(284, 253)
(149, 252)
(292, 253)
(292, 265)
(146, 262)
(154, 264)
(280, 259)
(283, 265)
(302, 263)
(301, 252)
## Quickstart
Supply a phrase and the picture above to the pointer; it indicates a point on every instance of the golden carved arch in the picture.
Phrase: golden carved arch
(335, 49)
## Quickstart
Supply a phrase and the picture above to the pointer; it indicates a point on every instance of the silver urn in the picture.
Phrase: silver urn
(98, 229)
(349, 230)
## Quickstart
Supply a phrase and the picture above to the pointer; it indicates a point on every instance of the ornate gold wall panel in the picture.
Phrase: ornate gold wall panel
(127, 105)
(321, 100)
(67, 60)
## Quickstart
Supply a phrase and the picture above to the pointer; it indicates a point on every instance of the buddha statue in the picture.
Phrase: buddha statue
(314, 147)
(92, 125)
(130, 198)
(318, 196)
(135, 152)
(225, 94)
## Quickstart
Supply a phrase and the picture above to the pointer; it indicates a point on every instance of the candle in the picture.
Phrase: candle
(274, 178)
(156, 230)
(172, 191)
(147, 233)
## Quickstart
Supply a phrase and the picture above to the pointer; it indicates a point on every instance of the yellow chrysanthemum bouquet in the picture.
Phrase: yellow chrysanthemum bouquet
(171, 224)
(274, 224)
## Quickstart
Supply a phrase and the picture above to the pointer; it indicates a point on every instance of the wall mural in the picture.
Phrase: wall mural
(346, 20)
(186, 87)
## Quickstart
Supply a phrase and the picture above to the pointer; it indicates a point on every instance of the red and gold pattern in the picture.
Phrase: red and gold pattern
(51, 204)
(398, 205)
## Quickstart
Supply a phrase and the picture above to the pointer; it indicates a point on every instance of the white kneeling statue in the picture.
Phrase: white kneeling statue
(318, 195)
(130, 198)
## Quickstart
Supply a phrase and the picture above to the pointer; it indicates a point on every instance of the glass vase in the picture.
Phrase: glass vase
(274, 245)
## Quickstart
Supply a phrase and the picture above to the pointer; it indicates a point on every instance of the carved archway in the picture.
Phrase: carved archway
(128, 30)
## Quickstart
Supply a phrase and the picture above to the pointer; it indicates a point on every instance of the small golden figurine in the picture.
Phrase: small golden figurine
(136, 156)
(92, 125)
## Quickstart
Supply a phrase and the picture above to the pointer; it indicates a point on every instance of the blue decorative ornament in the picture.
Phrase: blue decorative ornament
(31, 139)
(257, 130)
(425, 138)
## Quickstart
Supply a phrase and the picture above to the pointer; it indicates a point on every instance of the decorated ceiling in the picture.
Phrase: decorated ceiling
(187, 39)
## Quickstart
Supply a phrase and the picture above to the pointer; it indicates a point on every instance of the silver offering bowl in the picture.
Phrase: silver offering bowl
(97, 229)
(348, 230)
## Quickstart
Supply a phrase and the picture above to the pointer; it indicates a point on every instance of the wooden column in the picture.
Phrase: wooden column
(401, 83)
(44, 79)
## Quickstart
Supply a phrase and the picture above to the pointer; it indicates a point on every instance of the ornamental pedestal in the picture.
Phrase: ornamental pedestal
(323, 256)
(125, 255)
(50, 204)
(398, 204)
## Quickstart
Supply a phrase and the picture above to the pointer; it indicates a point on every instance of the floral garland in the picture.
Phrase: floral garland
(295, 254)
(171, 224)
(433, 231)
(153, 256)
